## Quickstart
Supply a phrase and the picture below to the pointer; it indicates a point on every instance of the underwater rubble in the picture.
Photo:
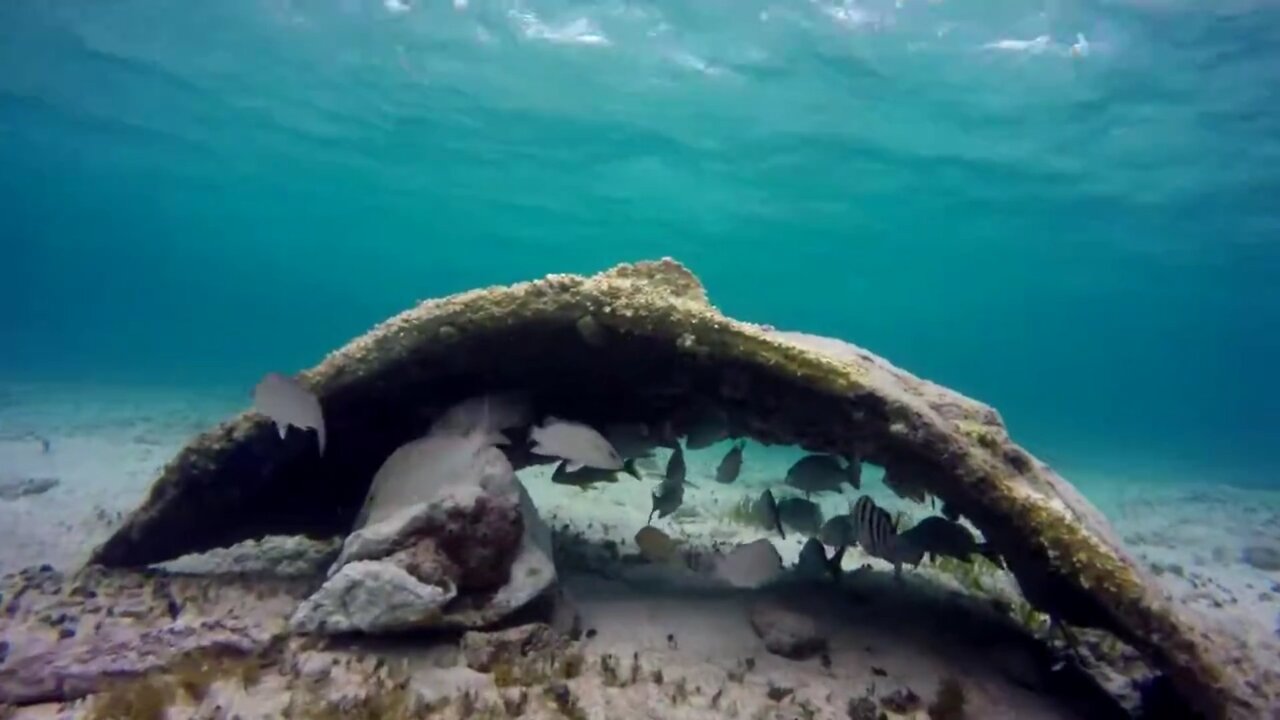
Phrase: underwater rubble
(637, 344)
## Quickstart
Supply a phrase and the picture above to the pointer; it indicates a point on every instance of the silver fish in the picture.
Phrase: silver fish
(287, 402)
(731, 464)
(803, 516)
(935, 536)
(817, 474)
(587, 477)
(667, 499)
(576, 443)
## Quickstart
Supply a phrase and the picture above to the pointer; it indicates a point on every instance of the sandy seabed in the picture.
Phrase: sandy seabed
(656, 641)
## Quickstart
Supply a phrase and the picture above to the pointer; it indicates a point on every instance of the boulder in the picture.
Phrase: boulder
(636, 344)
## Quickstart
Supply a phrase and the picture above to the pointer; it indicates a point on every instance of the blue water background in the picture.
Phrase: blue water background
(1088, 238)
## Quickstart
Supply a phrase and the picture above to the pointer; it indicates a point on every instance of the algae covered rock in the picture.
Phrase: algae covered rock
(636, 344)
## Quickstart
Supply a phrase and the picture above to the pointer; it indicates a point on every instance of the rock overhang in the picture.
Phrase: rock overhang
(638, 343)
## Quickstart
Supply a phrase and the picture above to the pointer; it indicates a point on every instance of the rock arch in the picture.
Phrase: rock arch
(635, 343)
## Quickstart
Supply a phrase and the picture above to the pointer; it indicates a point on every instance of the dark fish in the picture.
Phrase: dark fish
(667, 499)
(937, 536)
(631, 440)
(677, 471)
(766, 510)
(803, 516)
(853, 471)
(707, 426)
(587, 477)
(904, 479)
(731, 465)
(838, 532)
(816, 473)
(813, 560)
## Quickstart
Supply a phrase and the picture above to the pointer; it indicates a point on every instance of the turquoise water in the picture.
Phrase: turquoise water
(1081, 232)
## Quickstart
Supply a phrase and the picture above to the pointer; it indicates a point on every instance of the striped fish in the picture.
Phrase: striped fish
(875, 532)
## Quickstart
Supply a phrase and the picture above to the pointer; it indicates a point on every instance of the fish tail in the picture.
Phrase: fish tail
(629, 467)
(779, 526)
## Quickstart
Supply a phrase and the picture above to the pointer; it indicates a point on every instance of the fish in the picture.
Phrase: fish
(935, 536)
(677, 471)
(287, 402)
(588, 477)
(853, 471)
(875, 531)
(816, 474)
(803, 516)
(729, 467)
(749, 565)
(578, 444)
(903, 478)
(813, 560)
(655, 545)
(707, 425)
(838, 532)
(766, 511)
(667, 499)
(631, 440)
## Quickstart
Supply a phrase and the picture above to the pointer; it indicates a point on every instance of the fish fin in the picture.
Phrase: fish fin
(572, 466)
(780, 532)
(629, 467)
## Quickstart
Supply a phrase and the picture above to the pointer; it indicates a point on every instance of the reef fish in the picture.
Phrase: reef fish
(766, 511)
(803, 516)
(707, 425)
(287, 402)
(677, 471)
(875, 531)
(816, 474)
(813, 561)
(838, 532)
(729, 467)
(587, 477)
(666, 499)
(904, 479)
(937, 536)
(578, 444)
(631, 440)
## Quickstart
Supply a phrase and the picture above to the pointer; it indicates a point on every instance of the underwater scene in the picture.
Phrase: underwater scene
(605, 359)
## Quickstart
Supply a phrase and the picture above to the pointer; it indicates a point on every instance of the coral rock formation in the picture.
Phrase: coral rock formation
(635, 344)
